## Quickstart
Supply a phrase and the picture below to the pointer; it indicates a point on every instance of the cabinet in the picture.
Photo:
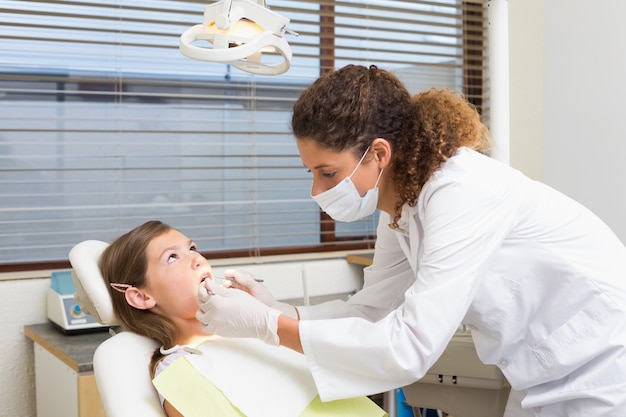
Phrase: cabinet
(458, 383)
(64, 380)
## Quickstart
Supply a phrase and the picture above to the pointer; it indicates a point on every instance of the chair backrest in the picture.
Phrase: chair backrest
(121, 362)
(120, 366)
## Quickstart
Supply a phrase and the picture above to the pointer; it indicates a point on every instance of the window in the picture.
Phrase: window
(104, 124)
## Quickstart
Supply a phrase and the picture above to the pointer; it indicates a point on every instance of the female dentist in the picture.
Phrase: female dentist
(539, 279)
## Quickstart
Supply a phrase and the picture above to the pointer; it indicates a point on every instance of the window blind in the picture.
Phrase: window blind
(104, 124)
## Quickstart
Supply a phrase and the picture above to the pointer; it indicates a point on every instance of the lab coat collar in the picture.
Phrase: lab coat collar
(409, 235)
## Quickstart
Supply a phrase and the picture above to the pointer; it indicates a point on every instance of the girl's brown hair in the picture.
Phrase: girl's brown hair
(124, 262)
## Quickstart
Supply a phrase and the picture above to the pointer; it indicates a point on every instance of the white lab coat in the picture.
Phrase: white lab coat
(538, 278)
(384, 284)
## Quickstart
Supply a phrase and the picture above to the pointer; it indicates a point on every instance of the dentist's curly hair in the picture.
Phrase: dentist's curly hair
(348, 108)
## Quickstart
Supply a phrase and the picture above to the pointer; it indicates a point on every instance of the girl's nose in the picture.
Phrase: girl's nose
(198, 260)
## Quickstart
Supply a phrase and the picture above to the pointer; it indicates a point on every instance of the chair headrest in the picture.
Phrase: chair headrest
(91, 293)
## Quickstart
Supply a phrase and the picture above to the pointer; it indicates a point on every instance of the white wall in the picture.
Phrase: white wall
(526, 21)
(568, 99)
(21, 302)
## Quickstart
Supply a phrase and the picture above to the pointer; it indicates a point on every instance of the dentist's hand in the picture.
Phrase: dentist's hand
(231, 313)
(246, 282)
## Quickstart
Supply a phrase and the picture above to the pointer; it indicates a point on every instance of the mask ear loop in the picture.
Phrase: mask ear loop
(378, 179)
(380, 174)
(359, 164)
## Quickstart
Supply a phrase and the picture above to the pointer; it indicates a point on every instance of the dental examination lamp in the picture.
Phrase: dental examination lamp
(240, 31)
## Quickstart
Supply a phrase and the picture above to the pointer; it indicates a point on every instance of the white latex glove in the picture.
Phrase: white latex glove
(245, 281)
(232, 313)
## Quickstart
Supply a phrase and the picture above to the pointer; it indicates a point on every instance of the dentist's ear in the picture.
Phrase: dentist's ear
(139, 299)
(381, 150)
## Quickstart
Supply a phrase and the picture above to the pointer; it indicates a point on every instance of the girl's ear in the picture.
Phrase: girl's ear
(139, 299)
(381, 149)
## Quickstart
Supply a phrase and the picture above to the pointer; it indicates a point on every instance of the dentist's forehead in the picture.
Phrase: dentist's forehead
(317, 157)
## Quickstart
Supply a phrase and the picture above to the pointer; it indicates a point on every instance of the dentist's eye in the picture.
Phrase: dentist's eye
(328, 174)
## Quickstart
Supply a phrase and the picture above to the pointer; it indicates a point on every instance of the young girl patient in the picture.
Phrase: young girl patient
(153, 273)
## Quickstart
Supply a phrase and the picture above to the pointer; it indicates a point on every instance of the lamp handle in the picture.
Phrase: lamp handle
(237, 55)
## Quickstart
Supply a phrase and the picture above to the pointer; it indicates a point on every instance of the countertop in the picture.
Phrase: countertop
(75, 350)
(364, 259)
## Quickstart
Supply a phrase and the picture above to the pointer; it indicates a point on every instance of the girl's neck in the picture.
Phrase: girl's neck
(191, 333)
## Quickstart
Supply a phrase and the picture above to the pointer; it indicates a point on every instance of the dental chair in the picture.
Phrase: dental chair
(458, 384)
(120, 363)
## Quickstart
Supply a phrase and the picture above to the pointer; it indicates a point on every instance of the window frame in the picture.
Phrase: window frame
(329, 241)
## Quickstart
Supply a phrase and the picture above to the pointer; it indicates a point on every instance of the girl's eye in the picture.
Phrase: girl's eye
(172, 258)
(194, 248)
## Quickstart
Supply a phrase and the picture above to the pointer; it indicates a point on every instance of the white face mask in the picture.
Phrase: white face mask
(344, 203)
